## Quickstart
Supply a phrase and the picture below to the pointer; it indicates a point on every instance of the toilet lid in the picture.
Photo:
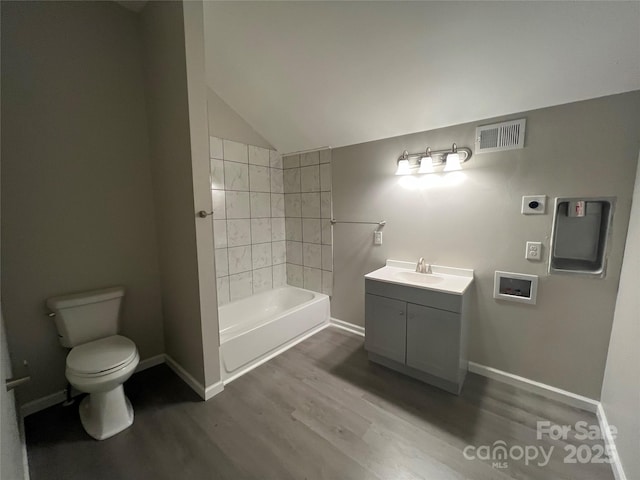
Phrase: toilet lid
(101, 355)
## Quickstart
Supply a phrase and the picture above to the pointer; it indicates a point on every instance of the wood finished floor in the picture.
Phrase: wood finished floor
(318, 411)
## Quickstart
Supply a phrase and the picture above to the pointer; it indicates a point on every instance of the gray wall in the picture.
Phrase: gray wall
(621, 385)
(163, 33)
(77, 209)
(224, 122)
(585, 148)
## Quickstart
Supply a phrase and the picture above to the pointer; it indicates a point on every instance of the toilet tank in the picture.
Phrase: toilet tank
(86, 316)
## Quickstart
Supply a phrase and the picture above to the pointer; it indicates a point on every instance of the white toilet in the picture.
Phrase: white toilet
(100, 360)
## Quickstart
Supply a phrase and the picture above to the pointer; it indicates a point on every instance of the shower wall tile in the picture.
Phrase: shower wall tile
(327, 258)
(261, 255)
(277, 180)
(259, 179)
(238, 232)
(260, 230)
(278, 232)
(219, 204)
(278, 252)
(234, 151)
(311, 232)
(310, 179)
(258, 156)
(309, 158)
(327, 283)
(262, 279)
(279, 275)
(277, 205)
(327, 232)
(311, 255)
(237, 204)
(222, 262)
(239, 259)
(294, 275)
(325, 205)
(308, 230)
(275, 159)
(325, 177)
(293, 229)
(310, 205)
(294, 252)
(292, 205)
(270, 219)
(260, 205)
(217, 174)
(291, 161)
(222, 285)
(240, 285)
(325, 156)
(236, 176)
(312, 279)
(219, 233)
(215, 148)
(291, 180)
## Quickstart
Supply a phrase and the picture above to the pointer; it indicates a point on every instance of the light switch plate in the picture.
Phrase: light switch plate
(534, 251)
(534, 204)
(377, 238)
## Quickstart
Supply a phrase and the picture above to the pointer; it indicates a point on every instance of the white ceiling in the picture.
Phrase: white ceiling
(313, 74)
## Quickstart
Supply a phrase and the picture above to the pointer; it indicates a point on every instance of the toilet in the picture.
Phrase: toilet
(100, 360)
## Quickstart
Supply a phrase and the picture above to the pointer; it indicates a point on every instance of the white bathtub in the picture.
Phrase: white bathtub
(257, 328)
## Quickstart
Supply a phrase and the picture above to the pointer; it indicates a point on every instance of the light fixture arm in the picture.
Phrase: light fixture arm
(439, 157)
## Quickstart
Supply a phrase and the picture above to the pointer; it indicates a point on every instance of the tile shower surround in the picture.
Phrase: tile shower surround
(248, 218)
(307, 206)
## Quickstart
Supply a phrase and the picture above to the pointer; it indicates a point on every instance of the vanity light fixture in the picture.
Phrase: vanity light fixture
(453, 160)
(423, 162)
(426, 163)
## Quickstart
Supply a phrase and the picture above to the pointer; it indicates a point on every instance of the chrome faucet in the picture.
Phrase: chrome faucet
(422, 266)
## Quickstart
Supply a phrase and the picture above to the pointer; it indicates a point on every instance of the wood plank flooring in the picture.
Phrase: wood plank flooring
(320, 410)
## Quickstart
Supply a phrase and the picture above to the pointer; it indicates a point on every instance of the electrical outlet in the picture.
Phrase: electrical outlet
(533, 204)
(377, 238)
(534, 251)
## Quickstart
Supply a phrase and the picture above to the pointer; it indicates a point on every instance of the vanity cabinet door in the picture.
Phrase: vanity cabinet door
(386, 327)
(433, 341)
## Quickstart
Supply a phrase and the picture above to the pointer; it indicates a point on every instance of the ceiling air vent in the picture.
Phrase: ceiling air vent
(500, 136)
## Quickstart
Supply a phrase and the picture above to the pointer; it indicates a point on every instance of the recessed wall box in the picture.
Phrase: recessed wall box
(515, 287)
(581, 227)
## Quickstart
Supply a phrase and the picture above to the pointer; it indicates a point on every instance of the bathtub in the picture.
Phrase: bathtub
(256, 328)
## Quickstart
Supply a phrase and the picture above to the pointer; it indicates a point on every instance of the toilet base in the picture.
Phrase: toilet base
(105, 414)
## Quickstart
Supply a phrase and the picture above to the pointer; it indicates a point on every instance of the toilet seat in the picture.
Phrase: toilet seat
(101, 357)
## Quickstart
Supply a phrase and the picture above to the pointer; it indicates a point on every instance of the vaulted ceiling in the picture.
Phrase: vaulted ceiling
(312, 74)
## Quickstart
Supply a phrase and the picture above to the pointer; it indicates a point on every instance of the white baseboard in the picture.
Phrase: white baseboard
(610, 444)
(38, 404)
(150, 362)
(186, 377)
(349, 327)
(542, 389)
(55, 398)
(213, 390)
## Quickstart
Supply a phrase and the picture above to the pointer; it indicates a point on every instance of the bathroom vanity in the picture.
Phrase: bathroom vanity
(418, 323)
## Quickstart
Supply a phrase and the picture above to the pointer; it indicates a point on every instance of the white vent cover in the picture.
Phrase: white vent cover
(500, 136)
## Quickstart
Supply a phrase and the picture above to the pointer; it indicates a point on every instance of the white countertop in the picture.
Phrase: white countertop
(442, 279)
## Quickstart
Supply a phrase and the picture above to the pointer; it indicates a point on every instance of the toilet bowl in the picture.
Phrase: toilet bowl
(99, 368)
(100, 360)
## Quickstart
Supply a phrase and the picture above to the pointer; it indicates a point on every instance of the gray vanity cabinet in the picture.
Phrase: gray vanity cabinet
(421, 333)
(432, 341)
(387, 327)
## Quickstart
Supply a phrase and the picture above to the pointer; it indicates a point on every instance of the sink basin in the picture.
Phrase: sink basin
(415, 277)
(442, 279)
